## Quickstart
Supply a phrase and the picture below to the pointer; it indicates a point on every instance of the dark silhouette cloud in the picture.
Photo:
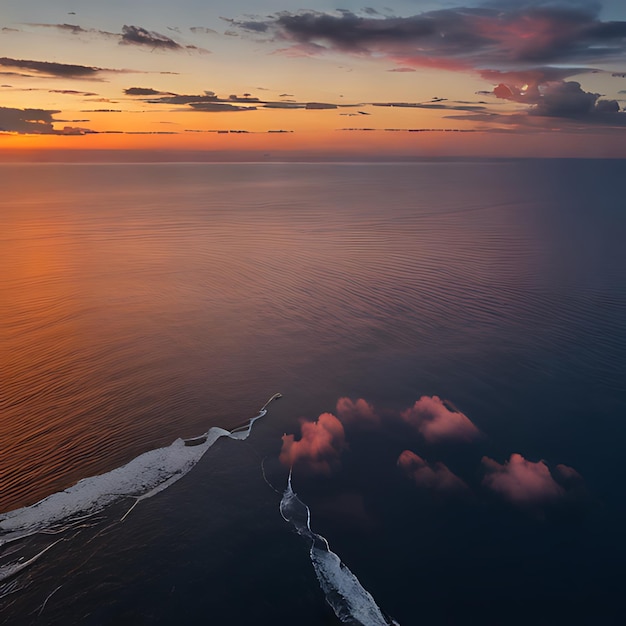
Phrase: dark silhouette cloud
(202, 30)
(136, 35)
(63, 70)
(142, 91)
(219, 107)
(320, 105)
(72, 92)
(435, 104)
(34, 122)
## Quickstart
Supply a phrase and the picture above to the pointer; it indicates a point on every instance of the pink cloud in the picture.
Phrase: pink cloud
(522, 482)
(432, 418)
(319, 448)
(567, 474)
(436, 476)
(359, 413)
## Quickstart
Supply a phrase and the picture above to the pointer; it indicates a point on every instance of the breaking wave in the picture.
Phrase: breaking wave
(351, 603)
(142, 478)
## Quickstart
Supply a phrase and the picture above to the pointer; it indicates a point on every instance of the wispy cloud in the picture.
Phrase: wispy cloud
(48, 68)
(136, 35)
(130, 35)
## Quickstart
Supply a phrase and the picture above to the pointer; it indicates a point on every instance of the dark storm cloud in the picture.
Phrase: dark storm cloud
(62, 70)
(561, 99)
(34, 122)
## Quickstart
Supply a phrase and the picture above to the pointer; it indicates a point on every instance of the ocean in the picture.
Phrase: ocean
(448, 339)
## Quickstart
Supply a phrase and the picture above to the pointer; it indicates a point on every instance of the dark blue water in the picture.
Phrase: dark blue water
(141, 304)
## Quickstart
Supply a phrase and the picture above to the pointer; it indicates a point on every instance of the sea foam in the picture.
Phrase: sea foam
(142, 478)
(350, 601)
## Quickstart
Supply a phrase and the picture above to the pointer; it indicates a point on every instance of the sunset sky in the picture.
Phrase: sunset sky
(248, 80)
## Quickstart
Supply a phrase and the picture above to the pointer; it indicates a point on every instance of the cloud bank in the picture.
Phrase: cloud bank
(472, 37)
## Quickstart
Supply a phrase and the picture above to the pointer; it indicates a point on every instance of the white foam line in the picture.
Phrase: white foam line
(142, 478)
(12, 569)
(43, 606)
(350, 601)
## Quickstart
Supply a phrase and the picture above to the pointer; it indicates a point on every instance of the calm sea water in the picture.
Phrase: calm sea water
(140, 304)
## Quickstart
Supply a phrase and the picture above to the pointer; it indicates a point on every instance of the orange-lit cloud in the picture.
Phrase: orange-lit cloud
(525, 483)
(438, 422)
(436, 476)
(358, 414)
(319, 448)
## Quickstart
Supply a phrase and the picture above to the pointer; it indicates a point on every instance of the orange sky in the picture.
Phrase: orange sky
(417, 79)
